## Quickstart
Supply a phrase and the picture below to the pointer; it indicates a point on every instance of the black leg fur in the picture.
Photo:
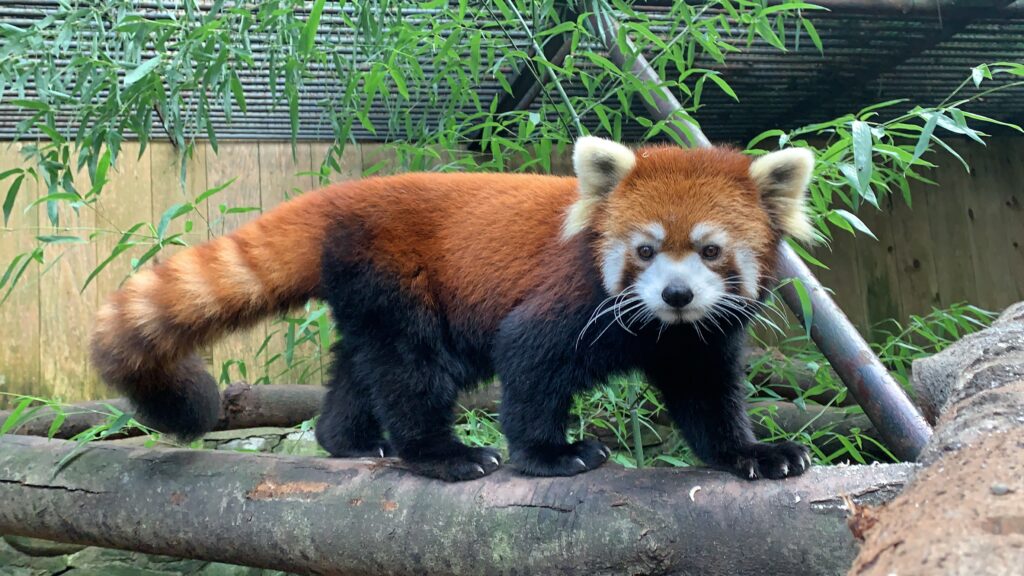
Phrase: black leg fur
(347, 427)
(708, 404)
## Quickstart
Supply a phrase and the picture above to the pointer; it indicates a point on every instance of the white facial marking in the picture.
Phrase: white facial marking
(690, 272)
(656, 231)
(705, 233)
(746, 264)
(612, 266)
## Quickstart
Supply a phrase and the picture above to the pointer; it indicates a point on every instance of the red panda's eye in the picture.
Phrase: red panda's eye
(645, 252)
(710, 252)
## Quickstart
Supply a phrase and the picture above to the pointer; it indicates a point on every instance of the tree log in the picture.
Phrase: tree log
(370, 517)
(964, 512)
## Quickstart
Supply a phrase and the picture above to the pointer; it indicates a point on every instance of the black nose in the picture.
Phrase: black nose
(677, 296)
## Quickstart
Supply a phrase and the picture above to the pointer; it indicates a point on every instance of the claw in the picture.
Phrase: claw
(785, 469)
(380, 450)
(583, 465)
(493, 460)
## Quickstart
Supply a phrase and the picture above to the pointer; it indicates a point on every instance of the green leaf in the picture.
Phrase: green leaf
(214, 190)
(142, 70)
(926, 135)
(806, 310)
(237, 91)
(723, 85)
(862, 150)
(58, 420)
(170, 214)
(309, 29)
(59, 239)
(31, 104)
(12, 195)
(813, 33)
(855, 222)
(100, 179)
(14, 418)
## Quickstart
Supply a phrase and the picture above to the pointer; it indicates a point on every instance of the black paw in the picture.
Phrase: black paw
(780, 460)
(461, 464)
(560, 459)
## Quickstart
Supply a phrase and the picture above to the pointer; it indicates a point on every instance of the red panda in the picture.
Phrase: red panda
(650, 261)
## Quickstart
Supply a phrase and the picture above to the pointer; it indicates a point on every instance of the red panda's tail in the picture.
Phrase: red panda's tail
(146, 335)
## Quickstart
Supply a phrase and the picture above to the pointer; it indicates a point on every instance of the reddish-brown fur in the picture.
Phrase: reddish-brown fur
(469, 244)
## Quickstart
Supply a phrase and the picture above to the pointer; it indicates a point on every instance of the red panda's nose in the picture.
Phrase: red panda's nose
(677, 296)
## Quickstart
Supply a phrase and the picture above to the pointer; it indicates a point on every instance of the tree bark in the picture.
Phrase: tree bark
(357, 517)
(242, 406)
(963, 514)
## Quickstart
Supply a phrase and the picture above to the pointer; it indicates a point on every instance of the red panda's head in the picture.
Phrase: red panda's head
(686, 235)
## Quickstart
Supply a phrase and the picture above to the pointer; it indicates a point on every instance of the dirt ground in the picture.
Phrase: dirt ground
(962, 515)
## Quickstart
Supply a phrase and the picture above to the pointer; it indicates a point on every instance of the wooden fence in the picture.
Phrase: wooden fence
(960, 241)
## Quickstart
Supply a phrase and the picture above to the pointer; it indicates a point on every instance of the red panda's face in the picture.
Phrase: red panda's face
(687, 235)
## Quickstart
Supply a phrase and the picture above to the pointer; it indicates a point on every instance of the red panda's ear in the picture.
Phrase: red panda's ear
(600, 165)
(782, 178)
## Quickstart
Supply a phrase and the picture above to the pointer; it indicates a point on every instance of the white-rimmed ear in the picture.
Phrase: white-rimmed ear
(782, 177)
(600, 165)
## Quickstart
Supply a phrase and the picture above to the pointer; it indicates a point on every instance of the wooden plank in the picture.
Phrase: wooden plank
(19, 315)
(67, 310)
(126, 200)
(950, 234)
(878, 271)
(989, 238)
(911, 238)
(235, 160)
(1011, 196)
(284, 176)
(844, 276)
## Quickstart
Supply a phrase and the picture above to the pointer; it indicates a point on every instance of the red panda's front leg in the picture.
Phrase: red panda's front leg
(704, 393)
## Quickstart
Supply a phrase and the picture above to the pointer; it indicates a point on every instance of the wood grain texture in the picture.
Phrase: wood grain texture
(990, 242)
(19, 347)
(68, 310)
(879, 271)
(912, 240)
(844, 276)
(950, 235)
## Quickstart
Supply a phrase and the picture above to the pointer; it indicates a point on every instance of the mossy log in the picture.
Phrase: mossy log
(350, 517)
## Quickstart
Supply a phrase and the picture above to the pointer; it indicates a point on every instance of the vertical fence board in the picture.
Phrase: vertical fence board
(950, 235)
(68, 310)
(878, 271)
(19, 315)
(911, 235)
(1011, 198)
(844, 276)
(236, 160)
(989, 239)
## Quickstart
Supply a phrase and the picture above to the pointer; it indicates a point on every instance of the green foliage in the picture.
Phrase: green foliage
(102, 70)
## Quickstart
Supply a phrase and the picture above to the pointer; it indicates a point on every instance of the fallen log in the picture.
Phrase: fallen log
(354, 517)
(242, 406)
(964, 512)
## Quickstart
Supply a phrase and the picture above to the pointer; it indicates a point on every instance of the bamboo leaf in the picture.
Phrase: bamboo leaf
(142, 70)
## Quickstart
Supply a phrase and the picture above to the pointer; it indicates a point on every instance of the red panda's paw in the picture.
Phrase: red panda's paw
(778, 460)
(457, 465)
(560, 459)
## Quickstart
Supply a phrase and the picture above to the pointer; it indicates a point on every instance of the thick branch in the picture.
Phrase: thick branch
(351, 517)
(242, 406)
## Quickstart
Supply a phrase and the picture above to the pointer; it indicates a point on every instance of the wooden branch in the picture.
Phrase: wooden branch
(964, 513)
(356, 517)
(242, 406)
